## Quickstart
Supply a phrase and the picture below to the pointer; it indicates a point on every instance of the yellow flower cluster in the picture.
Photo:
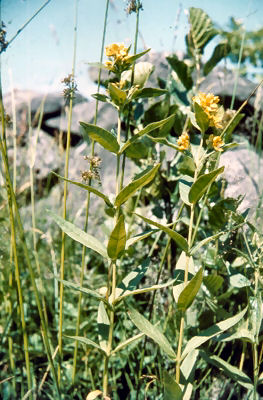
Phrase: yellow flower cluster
(216, 142)
(118, 52)
(183, 141)
(209, 104)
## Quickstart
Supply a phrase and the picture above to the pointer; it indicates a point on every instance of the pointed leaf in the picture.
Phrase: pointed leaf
(148, 92)
(202, 29)
(131, 59)
(202, 184)
(103, 326)
(172, 390)
(201, 118)
(182, 69)
(81, 289)
(185, 183)
(129, 190)
(100, 97)
(152, 331)
(212, 331)
(88, 188)
(94, 394)
(150, 127)
(105, 138)
(220, 52)
(127, 342)
(187, 296)
(143, 290)
(179, 239)
(117, 240)
(194, 249)
(117, 95)
(86, 341)
(233, 372)
(140, 236)
(80, 236)
(213, 283)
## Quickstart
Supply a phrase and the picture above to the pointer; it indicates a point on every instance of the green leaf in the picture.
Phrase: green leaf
(100, 97)
(201, 29)
(117, 240)
(137, 150)
(88, 188)
(80, 236)
(103, 327)
(189, 364)
(201, 118)
(213, 283)
(212, 331)
(179, 239)
(239, 281)
(81, 289)
(183, 71)
(187, 296)
(138, 76)
(127, 342)
(146, 130)
(233, 372)
(220, 52)
(105, 138)
(152, 331)
(139, 237)
(202, 184)
(185, 183)
(194, 249)
(131, 59)
(86, 341)
(128, 191)
(255, 315)
(132, 280)
(117, 95)
(148, 92)
(127, 293)
(172, 390)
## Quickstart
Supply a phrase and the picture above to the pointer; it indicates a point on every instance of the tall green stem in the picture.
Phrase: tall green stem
(88, 205)
(62, 263)
(189, 241)
(113, 273)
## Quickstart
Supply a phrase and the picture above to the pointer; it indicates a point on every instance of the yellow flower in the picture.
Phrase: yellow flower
(183, 141)
(207, 101)
(216, 120)
(116, 50)
(216, 142)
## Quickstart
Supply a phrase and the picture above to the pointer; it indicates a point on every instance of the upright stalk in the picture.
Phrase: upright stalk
(88, 205)
(62, 264)
(113, 273)
(189, 241)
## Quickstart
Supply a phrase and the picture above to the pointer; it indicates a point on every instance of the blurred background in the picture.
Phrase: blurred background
(41, 55)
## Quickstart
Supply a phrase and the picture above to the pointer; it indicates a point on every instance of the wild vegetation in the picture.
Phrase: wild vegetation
(169, 304)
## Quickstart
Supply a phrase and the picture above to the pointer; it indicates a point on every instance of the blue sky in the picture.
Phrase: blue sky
(42, 54)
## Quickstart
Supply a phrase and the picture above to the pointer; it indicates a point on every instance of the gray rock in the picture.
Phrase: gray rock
(107, 117)
(243, 172)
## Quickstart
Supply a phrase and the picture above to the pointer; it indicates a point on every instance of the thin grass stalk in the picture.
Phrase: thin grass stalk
(62, 263)
(32, 195)
(14, 254)
(83, 256)
(26, 23)
(24, 244)
(113, 269)
(28, 262)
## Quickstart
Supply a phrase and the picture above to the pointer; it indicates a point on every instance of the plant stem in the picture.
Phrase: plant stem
(189, 241)
(113, 272)
(62, 264)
